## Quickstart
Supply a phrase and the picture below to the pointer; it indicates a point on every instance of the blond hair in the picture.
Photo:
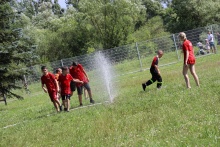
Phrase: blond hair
(182, 35)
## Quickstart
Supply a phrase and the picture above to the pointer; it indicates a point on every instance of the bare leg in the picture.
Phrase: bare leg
(186, 77)
(68, 105)
(64, 104)
(85, 93)
(56, 106)
(80, 99)
(90, 94)
(193, 72)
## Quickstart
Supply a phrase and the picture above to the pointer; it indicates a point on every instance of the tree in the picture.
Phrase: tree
(112, 20)
(190, 14)
(16, 50)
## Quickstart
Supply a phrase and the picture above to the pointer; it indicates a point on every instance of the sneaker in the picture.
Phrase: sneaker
(92, 101)
(144, 86)
(61, 109)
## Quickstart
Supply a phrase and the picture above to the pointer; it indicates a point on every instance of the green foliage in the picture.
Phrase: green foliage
(112, 21)
(193, 13)
(16, 50)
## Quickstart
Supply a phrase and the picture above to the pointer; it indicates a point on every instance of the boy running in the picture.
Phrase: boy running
(77, 71)
(52, 87)
(155, 72)
(57, 74)
(64, 80)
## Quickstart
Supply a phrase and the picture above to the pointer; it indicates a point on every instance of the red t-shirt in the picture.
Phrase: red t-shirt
(77, 73)
(187, 45)
(154, 62)
(65, 83)
(49, 81)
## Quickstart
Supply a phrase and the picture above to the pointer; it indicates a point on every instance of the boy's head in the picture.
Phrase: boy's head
(58, 71)
(74, 64)
(44, 70)
(65, 70)
(160, 53)
(182, 36)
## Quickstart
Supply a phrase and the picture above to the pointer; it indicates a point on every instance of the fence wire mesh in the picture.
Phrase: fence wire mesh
(135, 57)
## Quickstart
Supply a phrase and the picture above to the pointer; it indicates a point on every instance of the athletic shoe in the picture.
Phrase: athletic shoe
(92, 101)
(144, 86)
(61, 109)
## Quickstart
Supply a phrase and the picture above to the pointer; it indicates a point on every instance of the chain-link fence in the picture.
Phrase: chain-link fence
(137, 56)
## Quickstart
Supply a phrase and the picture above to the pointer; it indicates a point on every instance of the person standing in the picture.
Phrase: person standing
(64, 80)
(77, 71)
(155, 72)
(189, 60)
(211, 42)
(52, 87)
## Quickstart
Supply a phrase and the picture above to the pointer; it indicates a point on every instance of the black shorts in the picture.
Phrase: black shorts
(65, 97)
(80, 89)
(72, 86)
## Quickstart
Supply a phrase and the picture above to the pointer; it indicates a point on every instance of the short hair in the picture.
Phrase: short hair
(43, 67)
(159, 52)
(64, 68)
(57, 70)
(74, 63)
(182, 35)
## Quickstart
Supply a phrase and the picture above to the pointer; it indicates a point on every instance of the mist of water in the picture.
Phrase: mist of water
(106, 74)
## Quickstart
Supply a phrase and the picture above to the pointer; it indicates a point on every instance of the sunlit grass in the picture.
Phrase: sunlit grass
(172, 116)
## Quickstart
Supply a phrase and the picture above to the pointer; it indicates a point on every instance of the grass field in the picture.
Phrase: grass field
(172, 116)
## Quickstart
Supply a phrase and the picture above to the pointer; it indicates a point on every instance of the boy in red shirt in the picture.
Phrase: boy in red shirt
(155, 72)
(52, 87)
(189, 60)
(64, 80)
(77, 71)
(57, 74)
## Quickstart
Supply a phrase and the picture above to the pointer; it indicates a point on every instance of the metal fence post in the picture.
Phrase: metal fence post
(174, 40)
(61, 61)
(139, 58)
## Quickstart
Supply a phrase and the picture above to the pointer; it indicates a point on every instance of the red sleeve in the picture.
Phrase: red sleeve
(155, 61)
(71, 78)
(53, 77)
(42, 80)
(185, 47)
(80, 67)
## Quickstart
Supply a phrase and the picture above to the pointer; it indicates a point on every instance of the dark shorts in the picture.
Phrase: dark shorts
(72, 86)
(80, 88)
(53, 95)
(211, 44)
(65, 97)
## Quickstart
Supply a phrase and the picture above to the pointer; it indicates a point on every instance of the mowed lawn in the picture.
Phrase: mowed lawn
(172, 116)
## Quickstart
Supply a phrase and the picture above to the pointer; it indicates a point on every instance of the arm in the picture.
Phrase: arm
(45, 90)
(186, 58)
(157, 68)
(57, 85)
(84, 72)
(77, 81)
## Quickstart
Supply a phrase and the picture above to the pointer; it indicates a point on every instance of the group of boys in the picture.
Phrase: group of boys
(64, 83)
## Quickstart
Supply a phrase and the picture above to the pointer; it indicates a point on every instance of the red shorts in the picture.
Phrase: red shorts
(53, 95)
(192, 61)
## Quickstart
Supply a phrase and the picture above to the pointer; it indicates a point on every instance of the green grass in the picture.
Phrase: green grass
(172, 116)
